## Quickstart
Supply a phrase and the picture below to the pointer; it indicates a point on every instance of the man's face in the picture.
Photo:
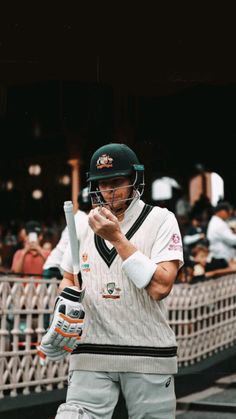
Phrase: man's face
(115, 192)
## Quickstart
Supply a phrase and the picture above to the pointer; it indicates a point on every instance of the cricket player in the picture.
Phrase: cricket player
(129, 255)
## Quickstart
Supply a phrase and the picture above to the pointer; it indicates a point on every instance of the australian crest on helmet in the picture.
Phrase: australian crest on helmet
(104, 161)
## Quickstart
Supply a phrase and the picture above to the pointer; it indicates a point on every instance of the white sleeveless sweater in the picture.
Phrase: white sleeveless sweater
(125, 329)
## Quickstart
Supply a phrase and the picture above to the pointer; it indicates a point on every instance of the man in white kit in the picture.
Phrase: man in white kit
(222, 240)
(52, 266)
(130, 254)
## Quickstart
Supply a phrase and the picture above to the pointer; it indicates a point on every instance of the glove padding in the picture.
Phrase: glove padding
(51, 353)
(67, 324)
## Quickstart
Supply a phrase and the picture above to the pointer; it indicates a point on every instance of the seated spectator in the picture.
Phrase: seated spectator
(222, 240)
(199, 267)
(205, 267)
(30, 259)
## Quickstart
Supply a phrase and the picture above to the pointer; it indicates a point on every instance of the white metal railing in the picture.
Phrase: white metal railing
(203, 317)
(25, 308)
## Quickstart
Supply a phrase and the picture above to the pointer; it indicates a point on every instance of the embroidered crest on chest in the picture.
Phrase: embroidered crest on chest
(110, 291)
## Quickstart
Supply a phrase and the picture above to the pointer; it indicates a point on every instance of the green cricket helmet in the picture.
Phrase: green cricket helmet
(111, 161)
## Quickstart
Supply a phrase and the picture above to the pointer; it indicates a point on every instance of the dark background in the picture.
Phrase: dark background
(72, 78)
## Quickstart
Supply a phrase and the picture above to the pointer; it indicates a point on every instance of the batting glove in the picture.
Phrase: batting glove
(49, 352)
(68, 320)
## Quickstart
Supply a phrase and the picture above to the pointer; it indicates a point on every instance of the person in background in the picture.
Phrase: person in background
(201, 267)
(21, 238)
(232, 220)
(205, 267)
(51, 267)
(31, 258)
(195, 234)
(222, 240)
(203, 207)
(182, 210)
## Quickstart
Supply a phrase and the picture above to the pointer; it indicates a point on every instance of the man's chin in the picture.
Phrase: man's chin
(116, 209)
(119, 210)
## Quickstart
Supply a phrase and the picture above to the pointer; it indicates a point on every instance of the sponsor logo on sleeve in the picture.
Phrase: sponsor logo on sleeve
(175, 243)
(85, 267)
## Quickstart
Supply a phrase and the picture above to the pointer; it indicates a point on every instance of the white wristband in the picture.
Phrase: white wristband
(139, 269)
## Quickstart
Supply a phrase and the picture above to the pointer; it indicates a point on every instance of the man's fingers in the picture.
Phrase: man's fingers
(108, 214)
(97, 218)
(51, 353)
(101, 213)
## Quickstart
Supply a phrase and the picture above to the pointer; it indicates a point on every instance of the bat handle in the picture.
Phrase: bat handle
(68, 209)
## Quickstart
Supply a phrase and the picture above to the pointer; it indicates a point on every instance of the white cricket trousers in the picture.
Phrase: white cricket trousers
(147, 396)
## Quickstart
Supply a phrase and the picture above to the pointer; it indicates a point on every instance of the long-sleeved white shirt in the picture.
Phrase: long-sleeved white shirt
(56, 255)
(222, 241)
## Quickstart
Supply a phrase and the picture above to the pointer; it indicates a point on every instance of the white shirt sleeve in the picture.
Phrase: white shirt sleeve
(81, 219)
(191, 239)
(66, 262)
(227, 235)
(55, 257)
(218, 229)
(168, 245)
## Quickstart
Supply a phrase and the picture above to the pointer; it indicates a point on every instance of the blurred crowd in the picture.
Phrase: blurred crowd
(35, 248)
(25, 246)
(209, 240)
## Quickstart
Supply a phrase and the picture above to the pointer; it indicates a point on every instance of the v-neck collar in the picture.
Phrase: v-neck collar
(108, 255)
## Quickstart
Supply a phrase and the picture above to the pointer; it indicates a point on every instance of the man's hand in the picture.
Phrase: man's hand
(104, 224)
(67, 325)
